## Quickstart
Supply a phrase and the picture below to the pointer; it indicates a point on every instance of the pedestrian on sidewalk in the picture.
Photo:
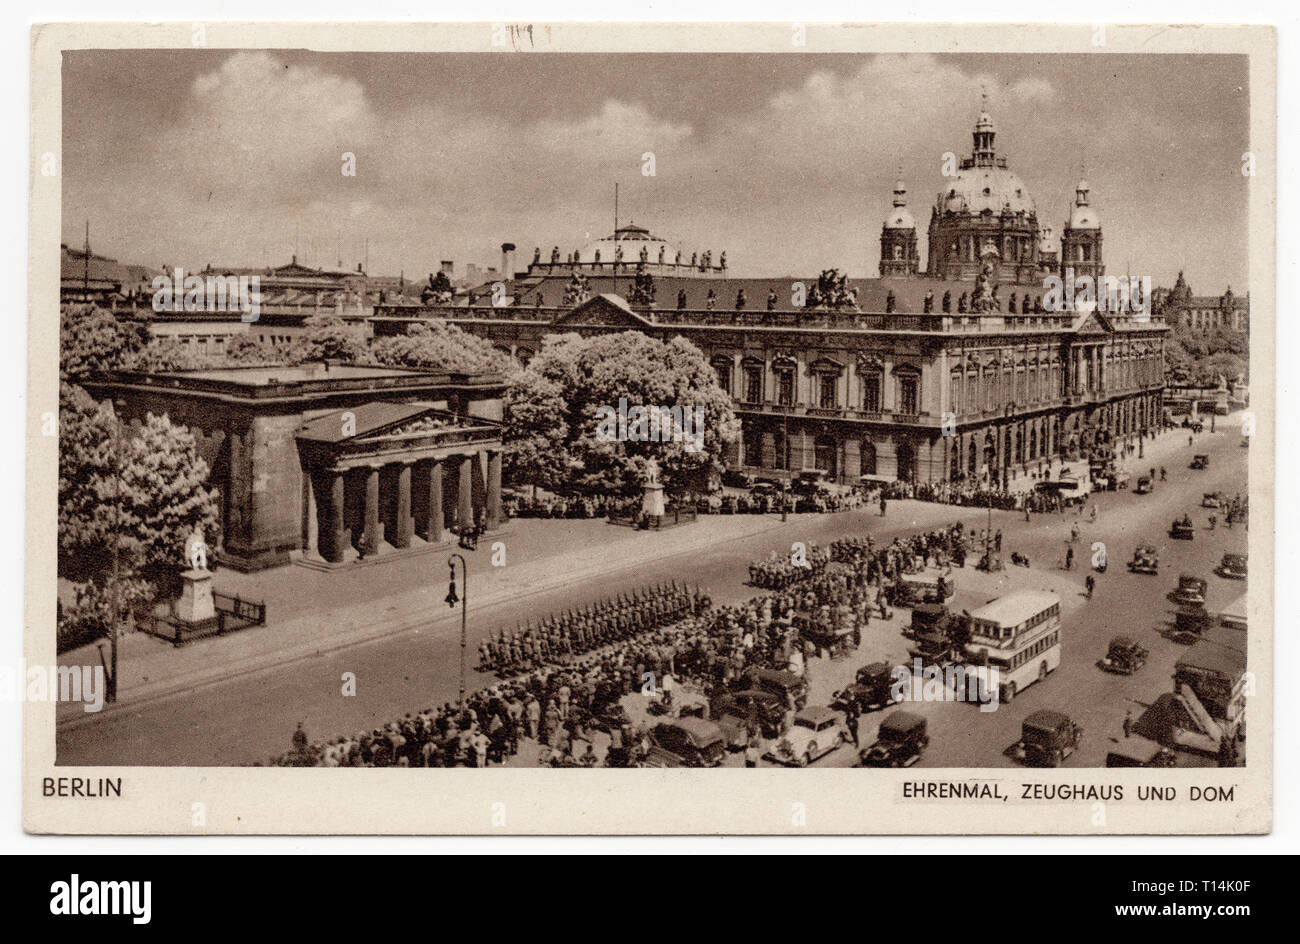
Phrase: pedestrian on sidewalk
(1069, 558)
(1128, 723)
(1091, 584)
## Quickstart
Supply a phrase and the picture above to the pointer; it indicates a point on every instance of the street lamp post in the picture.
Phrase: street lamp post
(464, 602)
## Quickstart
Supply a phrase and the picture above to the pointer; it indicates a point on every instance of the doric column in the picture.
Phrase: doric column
(331, 537)
(374, 533)
(465, 494)
(431, 522)
(494, 489)
(405, 525)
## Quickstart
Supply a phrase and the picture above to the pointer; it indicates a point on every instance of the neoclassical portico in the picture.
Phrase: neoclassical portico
(386, 477)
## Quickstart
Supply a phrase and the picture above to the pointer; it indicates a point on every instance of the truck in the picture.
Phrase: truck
(1206, 711)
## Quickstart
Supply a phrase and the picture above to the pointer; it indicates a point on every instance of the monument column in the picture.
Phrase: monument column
(374, 533)
(494, 489)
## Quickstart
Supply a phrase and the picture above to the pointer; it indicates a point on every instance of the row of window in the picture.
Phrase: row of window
(1037, 649)
(826, 388)
(966, 394)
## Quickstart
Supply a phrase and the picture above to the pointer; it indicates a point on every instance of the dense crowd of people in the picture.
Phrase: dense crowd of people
(778, 571)
(560, 695)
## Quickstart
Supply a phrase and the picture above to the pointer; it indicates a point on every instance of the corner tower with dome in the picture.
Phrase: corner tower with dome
(898, 252)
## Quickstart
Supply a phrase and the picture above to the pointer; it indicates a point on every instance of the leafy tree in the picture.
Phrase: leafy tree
(592, 376)
(93, 341)
(330, 337)
(535, 431)
(437, 345)
(141, 490)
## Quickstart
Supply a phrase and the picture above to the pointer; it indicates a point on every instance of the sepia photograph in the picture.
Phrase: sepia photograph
(879, 419)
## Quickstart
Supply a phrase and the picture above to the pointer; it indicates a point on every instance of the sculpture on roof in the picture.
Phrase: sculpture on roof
(577, 291)
(831, 291)
(985, 297)
(643, 289)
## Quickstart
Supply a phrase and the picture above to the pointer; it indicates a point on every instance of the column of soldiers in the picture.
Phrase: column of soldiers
(559, 637)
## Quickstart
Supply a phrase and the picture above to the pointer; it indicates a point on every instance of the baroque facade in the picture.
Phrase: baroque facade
(951, 371)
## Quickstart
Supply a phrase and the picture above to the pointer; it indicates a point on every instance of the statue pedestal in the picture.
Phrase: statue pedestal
(652, 502)
(195, 604)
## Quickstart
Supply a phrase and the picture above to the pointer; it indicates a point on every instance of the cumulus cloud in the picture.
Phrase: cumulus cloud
(248, 165)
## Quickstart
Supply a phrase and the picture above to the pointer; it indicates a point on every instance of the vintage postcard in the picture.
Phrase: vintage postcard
(553, 428)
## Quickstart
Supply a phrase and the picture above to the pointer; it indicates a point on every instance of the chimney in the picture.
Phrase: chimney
(507, 260)
(448, 266)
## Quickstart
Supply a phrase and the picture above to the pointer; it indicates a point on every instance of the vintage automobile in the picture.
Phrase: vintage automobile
(1200, 462)
(927, 618)
(1213, 500)
(933, 649)
(785, 685)
(1124, 656)
(754, 706)
(1137, 751)
(815, 732)
(1047, 738)
(658, 757)
(1191, 622)
(1145, 560)
(1143, 485)
(872, 689)
(735, 478)
(931, 585)
(694, 742)
(1190, 590)
(899, 742)
(1233, 566)
(1182, 529)
(836, 640)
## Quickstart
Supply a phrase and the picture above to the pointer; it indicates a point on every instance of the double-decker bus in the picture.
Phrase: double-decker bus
(1019, 636)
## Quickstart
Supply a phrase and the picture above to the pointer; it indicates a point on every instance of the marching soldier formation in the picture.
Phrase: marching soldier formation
(575, 632)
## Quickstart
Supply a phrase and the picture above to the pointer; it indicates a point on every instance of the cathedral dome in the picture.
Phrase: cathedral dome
(992, 188)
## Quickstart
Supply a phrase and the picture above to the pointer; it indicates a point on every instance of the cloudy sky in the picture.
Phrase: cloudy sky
(786, 162)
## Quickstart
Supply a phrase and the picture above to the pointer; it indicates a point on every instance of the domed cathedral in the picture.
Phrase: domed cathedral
(898, 250)
(985, 215)
(1081, 240)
